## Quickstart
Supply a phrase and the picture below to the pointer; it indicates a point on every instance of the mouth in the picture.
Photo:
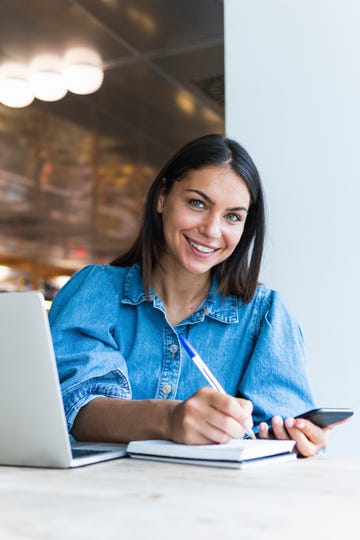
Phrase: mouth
(207, 250)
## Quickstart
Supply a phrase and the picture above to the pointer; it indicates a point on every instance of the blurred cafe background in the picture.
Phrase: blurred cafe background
(76, 161)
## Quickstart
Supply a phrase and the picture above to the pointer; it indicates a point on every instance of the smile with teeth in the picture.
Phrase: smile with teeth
(200, 247)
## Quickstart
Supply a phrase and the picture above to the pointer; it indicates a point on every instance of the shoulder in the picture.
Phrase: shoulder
(272, 309)
(92, 286)
(98, 275)
(261, 301)
(265, 297)
(233, 309)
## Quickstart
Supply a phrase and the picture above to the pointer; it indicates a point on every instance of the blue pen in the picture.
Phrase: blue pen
(199, 362)
(209, 376)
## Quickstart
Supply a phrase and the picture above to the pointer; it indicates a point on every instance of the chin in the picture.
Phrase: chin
(198, 269)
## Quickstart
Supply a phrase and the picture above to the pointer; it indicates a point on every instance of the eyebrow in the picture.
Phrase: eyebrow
(210, 201)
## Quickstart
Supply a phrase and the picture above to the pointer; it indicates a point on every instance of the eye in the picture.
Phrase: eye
(233, 217)
(196, 203)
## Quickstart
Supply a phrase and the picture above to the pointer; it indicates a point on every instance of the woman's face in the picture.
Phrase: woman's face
(203, 218)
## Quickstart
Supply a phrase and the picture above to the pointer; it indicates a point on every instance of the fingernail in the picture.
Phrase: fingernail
(289, 422)
(300, 424)
(277, 420)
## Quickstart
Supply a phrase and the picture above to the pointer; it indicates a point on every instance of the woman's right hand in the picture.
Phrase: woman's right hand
(209, 416)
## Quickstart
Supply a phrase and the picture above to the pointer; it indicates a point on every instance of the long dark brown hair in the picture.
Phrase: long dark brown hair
(238, 275)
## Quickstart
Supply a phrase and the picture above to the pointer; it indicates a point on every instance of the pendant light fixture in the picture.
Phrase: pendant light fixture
(15, 90)
(83, 71)
(46, 77)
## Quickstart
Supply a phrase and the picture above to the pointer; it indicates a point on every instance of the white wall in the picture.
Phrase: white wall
(293, 100)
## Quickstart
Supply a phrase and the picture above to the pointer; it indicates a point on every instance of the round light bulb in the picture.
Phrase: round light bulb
(46, 77)
(83, 72)
(15, 89)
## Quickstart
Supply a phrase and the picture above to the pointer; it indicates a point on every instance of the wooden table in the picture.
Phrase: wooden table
(131, 499)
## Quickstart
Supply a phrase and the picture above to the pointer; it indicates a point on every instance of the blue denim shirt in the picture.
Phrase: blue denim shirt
(111, 341)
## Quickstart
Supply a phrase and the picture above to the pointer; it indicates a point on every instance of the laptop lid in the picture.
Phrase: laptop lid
(32, 420)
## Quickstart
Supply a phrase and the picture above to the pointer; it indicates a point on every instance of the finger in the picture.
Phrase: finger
(237, 408)
(227, 424)
(303, 444)
(246, 405)
(203, 419)
(242, 414)
(190, 426)
(264, 431)
(211, 436)
(222, 416)
(310, 439)
(279, 429)
(314, 433)
(216, 427)
(241, 409)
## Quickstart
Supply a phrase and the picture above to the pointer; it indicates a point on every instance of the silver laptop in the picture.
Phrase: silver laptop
(33, 429)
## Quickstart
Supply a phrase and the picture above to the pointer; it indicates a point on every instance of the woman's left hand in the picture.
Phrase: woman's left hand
(310, 439)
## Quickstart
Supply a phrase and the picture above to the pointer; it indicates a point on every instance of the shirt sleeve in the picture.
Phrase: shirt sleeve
(82, 319)
(276, 378)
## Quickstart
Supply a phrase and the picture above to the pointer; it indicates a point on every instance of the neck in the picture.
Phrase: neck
(181, 294)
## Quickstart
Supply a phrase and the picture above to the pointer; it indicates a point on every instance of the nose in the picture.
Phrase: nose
(211, 226)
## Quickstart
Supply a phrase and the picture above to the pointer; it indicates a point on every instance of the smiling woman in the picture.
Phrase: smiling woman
(201, 224)
(192, 271)
(237, 274)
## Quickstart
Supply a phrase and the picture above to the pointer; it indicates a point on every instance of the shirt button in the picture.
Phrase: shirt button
(174, 348)
(166, 389)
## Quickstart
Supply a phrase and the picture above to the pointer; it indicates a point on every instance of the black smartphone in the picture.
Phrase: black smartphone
(321, 417)
(326, 417)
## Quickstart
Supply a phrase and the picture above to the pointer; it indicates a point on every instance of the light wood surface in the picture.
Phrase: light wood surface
(132, 500)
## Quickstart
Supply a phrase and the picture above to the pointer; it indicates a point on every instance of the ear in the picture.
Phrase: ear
(160, 201)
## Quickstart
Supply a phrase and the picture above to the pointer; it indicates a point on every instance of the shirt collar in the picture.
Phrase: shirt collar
(214, 305)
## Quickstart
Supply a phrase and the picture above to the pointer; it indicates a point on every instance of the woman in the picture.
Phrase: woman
(193, 270)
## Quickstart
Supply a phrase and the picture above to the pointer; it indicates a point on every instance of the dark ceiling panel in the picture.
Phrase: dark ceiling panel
(73, 173)
(157, 24)
(29, 28)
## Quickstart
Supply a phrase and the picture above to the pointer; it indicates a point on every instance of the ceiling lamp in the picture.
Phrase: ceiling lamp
(46, 78)
(83, 71)
(15, 89)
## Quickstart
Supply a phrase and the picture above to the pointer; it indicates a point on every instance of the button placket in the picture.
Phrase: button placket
(166, 390)
(173, 349)
(171, 365)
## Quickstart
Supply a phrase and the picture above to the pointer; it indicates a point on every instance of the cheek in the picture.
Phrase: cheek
(172, 225)
(234, 237)
(178, 219)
